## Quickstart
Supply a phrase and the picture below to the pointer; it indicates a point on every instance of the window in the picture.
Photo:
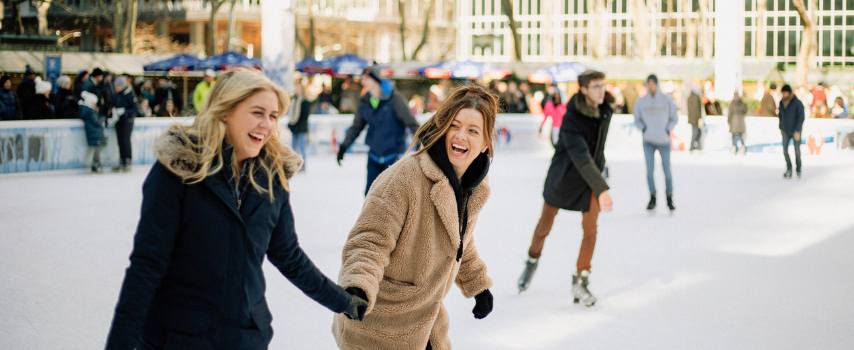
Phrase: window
(825, 43)
(849, 43)
(837, 20)
(781, 44)
(769, 43)
(748, 5)
(837, 41)
(793, 43)
(748, 45)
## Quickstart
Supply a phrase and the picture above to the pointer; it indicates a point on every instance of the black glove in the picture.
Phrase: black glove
(340, 156)
(358, 304)
(482, 304)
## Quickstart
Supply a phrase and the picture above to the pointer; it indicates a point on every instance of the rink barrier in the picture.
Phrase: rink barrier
(39, 145)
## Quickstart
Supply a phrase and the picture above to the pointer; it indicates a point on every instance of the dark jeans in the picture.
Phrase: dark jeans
(124, 128)
(696, 138)
(377, 165)
(787, 138)
(736, 139)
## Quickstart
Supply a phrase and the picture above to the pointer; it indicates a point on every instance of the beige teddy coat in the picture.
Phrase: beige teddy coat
(402, 253)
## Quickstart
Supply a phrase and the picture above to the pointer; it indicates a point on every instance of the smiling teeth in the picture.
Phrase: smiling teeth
(462, 148)
(257, 136)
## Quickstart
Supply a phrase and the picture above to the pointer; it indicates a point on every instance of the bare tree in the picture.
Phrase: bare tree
(401, 10)
(507, 10)
(668, 21)
(229, 35)
(425, 30)
(642, 14)
(599, 38)
(307, 47)
(210, 43)
(691, 25)
(41, 11)
(706, 30)
(806, 55)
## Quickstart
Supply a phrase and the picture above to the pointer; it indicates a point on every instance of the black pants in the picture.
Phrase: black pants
(787, 137)
(375, 168)
(124, 127)
(696, 137)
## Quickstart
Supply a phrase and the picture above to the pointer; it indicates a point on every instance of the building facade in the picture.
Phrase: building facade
(372, 28)
(558, 30)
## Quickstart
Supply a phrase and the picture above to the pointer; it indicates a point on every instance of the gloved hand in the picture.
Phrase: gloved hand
(358, 304)
(340, 155)
(482, 305)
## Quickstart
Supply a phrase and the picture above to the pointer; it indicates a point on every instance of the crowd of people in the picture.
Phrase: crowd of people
(36, 98)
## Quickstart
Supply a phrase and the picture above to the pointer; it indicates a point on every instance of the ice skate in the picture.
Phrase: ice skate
(528, 273)
(580, 293)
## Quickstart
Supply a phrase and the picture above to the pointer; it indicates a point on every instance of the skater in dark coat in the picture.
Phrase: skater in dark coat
(126, 110)
(791, 114)
(214, 205)
(574, 180)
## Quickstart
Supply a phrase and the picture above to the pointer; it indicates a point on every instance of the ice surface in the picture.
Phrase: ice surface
(748, 261)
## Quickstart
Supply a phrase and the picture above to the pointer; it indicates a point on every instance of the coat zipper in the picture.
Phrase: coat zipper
(463, 218)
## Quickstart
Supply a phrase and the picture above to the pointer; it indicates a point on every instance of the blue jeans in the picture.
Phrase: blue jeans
(377, 165)
(298, 143)
(649, 153)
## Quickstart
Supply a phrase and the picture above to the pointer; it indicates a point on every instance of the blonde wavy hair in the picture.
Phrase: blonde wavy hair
(203, 140)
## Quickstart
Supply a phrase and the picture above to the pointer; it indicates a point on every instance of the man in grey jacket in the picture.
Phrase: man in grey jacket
(655, 115)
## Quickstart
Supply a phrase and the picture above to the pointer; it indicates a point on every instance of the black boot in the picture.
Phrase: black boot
(651, 204)
(670, 203)
(787, 174)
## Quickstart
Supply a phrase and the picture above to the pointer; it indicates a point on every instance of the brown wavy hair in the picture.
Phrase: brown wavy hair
(469, 96)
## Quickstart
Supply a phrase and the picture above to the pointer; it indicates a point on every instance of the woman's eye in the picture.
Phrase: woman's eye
(275, 117)
(473, 131)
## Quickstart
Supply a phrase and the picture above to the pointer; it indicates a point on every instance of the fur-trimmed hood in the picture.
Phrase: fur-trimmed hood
(183, 160)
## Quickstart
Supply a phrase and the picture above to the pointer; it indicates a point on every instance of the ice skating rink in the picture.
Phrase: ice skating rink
(748, 261)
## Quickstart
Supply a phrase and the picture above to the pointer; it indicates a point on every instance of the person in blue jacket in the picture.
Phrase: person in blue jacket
(213, 206)
(385, 112)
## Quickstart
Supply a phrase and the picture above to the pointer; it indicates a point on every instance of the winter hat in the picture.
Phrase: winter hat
(653, 78)
(210, 73)
(88, 99)
(97, 72)
(29, 70)
(786, 88)
(42, 87)
(374, 73)
(120, 83)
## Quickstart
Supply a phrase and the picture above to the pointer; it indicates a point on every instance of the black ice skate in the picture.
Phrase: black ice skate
(580, 293)
(651, 204)
(528, 273)
(670, 203)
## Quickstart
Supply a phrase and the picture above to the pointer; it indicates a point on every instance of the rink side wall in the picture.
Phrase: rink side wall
(39, 145)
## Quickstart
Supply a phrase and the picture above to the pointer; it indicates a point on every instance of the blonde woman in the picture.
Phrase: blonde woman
(413, 239)
(213, 206)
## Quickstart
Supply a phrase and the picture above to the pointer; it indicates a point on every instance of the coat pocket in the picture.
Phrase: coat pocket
(395, 292)
(177, 341)
(189, 322)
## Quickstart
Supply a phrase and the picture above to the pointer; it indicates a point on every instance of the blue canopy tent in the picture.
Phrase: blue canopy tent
(313, 66)
(182, 62)
(558, 73)
(439, 70)
(347, 64)
(228, 60)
